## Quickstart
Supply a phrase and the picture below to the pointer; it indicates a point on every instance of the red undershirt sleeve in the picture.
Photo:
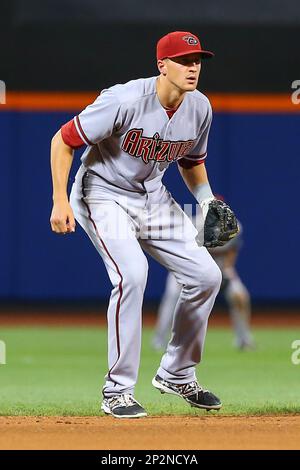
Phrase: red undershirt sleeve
(192, 160)
(71, 136)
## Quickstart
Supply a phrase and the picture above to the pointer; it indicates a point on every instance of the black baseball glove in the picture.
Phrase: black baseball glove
(220, 224)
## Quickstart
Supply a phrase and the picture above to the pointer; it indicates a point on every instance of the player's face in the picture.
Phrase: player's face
(183, 71)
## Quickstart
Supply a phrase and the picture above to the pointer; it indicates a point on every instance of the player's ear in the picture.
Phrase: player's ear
(161, 65)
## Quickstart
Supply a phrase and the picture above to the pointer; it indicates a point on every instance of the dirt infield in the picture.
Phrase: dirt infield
(168, 433)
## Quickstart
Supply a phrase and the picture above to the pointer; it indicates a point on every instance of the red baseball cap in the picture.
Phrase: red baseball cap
(180, 43)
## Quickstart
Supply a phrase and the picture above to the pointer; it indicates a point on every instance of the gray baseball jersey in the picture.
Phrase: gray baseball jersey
(135, 139)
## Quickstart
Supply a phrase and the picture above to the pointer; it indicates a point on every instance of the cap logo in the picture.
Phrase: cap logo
(190, 40)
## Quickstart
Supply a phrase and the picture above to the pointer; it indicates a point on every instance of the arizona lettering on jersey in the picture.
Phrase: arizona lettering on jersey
(154, 148)
(131, 139)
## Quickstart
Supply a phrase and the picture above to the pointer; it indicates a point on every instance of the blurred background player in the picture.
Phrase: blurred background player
(234, 291)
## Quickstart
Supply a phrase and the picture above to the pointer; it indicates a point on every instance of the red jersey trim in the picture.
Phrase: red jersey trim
(81, 131)
(198, 158)
(188, 163)
(70, 135)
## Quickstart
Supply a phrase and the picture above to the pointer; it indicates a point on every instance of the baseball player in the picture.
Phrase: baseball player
(235, 293)
(133, 132)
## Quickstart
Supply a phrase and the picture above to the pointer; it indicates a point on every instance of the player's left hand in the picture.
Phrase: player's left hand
(220, 224)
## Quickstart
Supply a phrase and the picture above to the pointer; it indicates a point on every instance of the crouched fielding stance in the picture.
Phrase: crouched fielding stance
(133, 132)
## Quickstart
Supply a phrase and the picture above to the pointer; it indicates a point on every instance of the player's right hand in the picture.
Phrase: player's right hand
(62, 217)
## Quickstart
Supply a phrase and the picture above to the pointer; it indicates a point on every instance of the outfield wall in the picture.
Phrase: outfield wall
(253, 159)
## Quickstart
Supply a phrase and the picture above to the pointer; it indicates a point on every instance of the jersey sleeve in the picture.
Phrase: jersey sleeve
(99, 120)
(199, 152)
(70, 135)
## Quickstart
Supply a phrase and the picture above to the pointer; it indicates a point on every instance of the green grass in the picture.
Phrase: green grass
(59, 371)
